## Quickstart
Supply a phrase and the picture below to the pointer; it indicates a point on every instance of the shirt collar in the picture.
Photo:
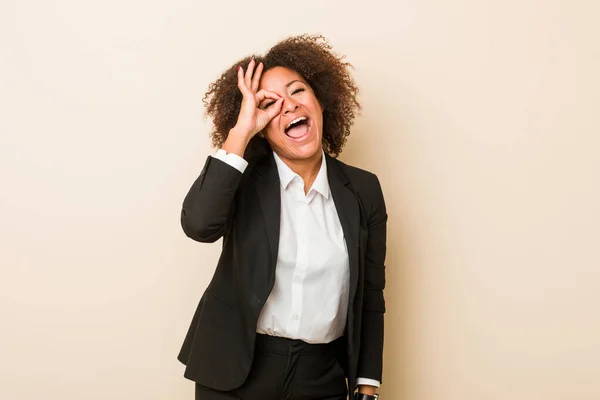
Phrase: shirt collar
(286, 175)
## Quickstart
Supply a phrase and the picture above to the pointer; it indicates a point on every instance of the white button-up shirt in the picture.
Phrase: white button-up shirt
(309, 300)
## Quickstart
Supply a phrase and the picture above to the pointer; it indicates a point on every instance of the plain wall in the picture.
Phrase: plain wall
(481, 119)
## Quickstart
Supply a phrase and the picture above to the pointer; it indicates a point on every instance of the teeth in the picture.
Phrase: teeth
(294, 121)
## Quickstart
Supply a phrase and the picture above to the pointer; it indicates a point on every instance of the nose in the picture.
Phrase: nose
(289, 105)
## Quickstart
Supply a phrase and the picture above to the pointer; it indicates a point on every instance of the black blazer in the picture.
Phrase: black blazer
(244, 209)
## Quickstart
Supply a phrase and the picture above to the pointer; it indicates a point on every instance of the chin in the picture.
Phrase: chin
(303, 152)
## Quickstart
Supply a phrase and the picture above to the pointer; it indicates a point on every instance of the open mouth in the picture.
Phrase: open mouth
(298, 128)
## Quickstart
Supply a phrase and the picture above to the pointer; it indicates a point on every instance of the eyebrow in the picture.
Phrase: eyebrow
(290, 83)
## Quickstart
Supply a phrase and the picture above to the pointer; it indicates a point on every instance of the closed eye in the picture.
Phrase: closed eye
(298, 90)
(269, 104)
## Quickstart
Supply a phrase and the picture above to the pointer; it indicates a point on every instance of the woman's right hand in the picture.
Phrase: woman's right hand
(251, 118)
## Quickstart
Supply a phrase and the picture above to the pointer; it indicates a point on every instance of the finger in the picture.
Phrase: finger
(249, 73)
(241, 84)
(274, 110)
(265, 94)
(256, 77)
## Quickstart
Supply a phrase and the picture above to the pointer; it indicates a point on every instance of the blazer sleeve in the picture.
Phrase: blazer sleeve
(370, 362)
(209, 206)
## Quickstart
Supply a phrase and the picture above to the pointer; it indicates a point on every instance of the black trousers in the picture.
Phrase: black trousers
(287, 369)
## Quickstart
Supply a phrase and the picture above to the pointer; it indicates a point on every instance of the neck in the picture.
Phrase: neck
(307, 168)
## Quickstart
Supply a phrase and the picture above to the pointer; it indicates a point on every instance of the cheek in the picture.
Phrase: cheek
(272, 129)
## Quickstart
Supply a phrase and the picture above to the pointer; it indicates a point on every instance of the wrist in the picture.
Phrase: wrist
(240, 134)
(367, 389)
(236, 142)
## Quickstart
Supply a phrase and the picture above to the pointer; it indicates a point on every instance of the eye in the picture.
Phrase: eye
(298, 90)
(267, 105)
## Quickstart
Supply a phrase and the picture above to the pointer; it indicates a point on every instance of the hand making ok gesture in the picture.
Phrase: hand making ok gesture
(251, 118)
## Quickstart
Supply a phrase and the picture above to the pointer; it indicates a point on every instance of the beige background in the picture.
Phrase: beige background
(480, 118)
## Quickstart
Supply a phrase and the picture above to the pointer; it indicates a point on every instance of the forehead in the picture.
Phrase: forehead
(277, 78)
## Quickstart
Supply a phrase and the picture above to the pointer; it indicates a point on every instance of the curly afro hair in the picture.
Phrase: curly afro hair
(327, 74)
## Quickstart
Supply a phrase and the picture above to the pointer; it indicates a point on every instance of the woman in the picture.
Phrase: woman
(296, 304)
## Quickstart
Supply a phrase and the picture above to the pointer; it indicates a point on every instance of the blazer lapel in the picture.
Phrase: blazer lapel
(268, 188)
(348, 211)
